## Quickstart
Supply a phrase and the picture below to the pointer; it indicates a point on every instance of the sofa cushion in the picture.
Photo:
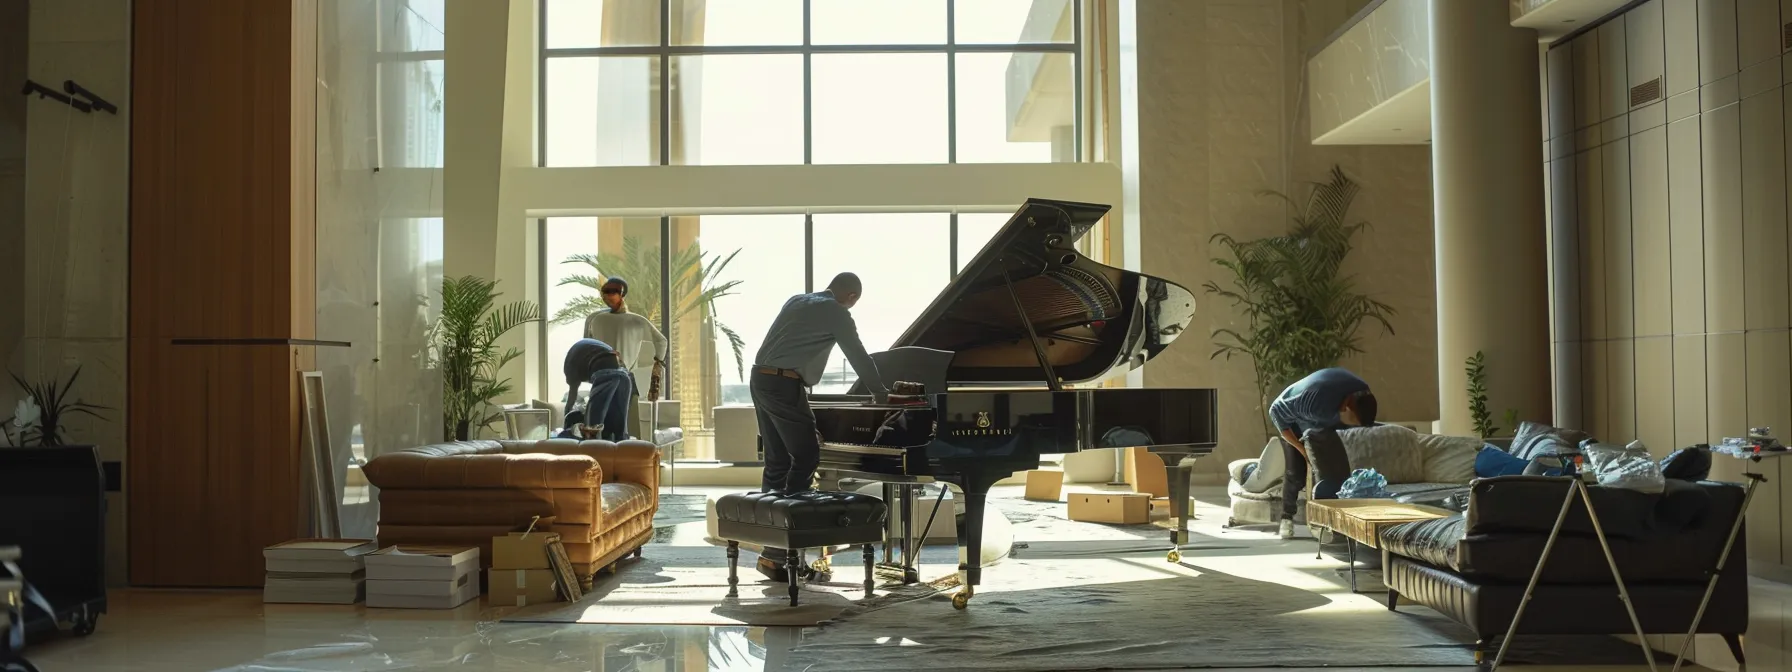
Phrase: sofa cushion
(1530, 504)
(1449, 459)
(1432, 542)
(1392, 450)
(624, 500)
(1271, 465)
(1536, 439)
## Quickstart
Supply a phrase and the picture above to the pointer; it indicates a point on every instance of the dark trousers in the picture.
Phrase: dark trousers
(787, 432)
(608, 403)
(1326, 450)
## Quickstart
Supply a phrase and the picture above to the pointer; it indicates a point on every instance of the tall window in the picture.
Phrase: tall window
(769, 82)
(411, 82)
(729, 275)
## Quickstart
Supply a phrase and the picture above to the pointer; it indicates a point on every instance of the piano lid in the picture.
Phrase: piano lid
(1093, 320)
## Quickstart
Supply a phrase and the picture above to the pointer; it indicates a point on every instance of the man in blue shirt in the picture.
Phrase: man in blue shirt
(594, 361)
(1307, 414)
(790, 361)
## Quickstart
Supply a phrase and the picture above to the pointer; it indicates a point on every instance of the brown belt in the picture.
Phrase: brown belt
(775, 371)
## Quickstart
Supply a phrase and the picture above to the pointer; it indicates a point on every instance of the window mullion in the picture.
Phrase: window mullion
(808, 96)
(951, 83)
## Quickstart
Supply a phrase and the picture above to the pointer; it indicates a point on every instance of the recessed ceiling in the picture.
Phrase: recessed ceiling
(1404, 119)
(1553, 19)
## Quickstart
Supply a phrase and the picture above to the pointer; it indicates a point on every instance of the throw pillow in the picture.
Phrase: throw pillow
(1491, 462)
(1628, 467)
(1392, 450)
(1534, 439)
(1449, 459)
(1687, 464)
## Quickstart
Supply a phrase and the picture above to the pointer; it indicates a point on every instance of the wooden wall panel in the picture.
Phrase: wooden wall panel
(1721, 165)
(1653, 281)
(1686, 226)
(1590, 241)
(1655, 390)
(1769, 405)
(222, 251)
(1644, 42)
(1765, 290)
(1618, 278)
(1717, 39)
(1690, 411)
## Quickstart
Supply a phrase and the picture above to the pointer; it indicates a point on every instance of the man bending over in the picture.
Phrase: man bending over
(1325, 401)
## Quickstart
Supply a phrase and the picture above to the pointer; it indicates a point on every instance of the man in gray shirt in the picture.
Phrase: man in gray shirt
(790, 361)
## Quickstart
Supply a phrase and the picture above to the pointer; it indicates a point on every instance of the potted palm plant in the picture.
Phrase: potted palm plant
(694, 278)
(464, 347)
(1301, 312)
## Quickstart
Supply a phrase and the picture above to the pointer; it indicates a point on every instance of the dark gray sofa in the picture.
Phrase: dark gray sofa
(1473, 567)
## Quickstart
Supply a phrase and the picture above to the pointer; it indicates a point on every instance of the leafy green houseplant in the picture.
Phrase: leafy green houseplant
(1301, 312)
(694, 279)
(38, 419)
(1476, 367)
(464, 347)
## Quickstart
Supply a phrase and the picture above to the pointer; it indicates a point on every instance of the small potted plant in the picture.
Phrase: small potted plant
(38, 418)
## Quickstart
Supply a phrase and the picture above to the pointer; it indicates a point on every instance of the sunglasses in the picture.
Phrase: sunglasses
(609, 290)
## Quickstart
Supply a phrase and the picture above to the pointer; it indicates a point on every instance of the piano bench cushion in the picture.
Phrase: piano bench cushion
(801, 520)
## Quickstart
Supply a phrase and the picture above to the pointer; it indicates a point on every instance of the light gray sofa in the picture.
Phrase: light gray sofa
(1412, 462)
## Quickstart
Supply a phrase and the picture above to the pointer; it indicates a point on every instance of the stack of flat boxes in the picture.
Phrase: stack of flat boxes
(422, 577)
(315, 571)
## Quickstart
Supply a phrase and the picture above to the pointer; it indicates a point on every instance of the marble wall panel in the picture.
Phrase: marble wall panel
(1379, 57)
(68, 276)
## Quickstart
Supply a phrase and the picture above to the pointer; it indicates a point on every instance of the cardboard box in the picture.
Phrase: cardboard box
(520, 587)
(519, 550)
(1125, 508)
(1044, 486)
(1145, 472)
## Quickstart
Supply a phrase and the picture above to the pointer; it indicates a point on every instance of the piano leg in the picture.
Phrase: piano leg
(892, 527)
(900, 545)
(1178, 476)
(970, 534)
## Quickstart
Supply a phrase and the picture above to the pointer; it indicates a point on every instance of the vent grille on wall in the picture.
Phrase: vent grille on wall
(1645, 92)
(1786, 37)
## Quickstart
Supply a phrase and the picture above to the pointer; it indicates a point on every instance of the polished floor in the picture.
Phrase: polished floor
(156, 630)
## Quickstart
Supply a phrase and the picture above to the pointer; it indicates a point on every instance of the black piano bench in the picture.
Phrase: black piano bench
(811, 519)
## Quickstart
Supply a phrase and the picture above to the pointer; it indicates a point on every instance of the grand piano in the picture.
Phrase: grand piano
(996, 354)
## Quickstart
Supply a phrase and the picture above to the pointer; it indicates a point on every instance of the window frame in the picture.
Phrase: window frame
(544, 262)
(666, 51)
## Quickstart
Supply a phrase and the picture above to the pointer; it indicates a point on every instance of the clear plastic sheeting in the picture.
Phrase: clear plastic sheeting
(488, 645)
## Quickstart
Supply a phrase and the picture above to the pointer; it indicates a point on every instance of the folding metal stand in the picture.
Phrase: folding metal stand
(1579, 487)
(1748, 495)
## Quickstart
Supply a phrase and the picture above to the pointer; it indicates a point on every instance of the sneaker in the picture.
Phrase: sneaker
(1287, 531)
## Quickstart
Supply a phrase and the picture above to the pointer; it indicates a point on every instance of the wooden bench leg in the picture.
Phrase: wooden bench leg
(792, 569)
(870, 571)
(733, 560)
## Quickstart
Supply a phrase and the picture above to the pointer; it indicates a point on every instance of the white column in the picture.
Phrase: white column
(1492, 263)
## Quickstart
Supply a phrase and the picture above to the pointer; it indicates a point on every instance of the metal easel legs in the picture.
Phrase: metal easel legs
(1577, 487)
(1717, 573)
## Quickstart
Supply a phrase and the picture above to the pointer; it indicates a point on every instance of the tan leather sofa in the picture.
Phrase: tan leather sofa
(600, 496)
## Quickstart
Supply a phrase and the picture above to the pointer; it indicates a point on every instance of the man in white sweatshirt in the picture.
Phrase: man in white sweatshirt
(629, 332)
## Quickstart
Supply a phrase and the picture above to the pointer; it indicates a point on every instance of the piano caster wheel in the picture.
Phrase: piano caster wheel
(822, 565)
(962, 598)
(1175, 556)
